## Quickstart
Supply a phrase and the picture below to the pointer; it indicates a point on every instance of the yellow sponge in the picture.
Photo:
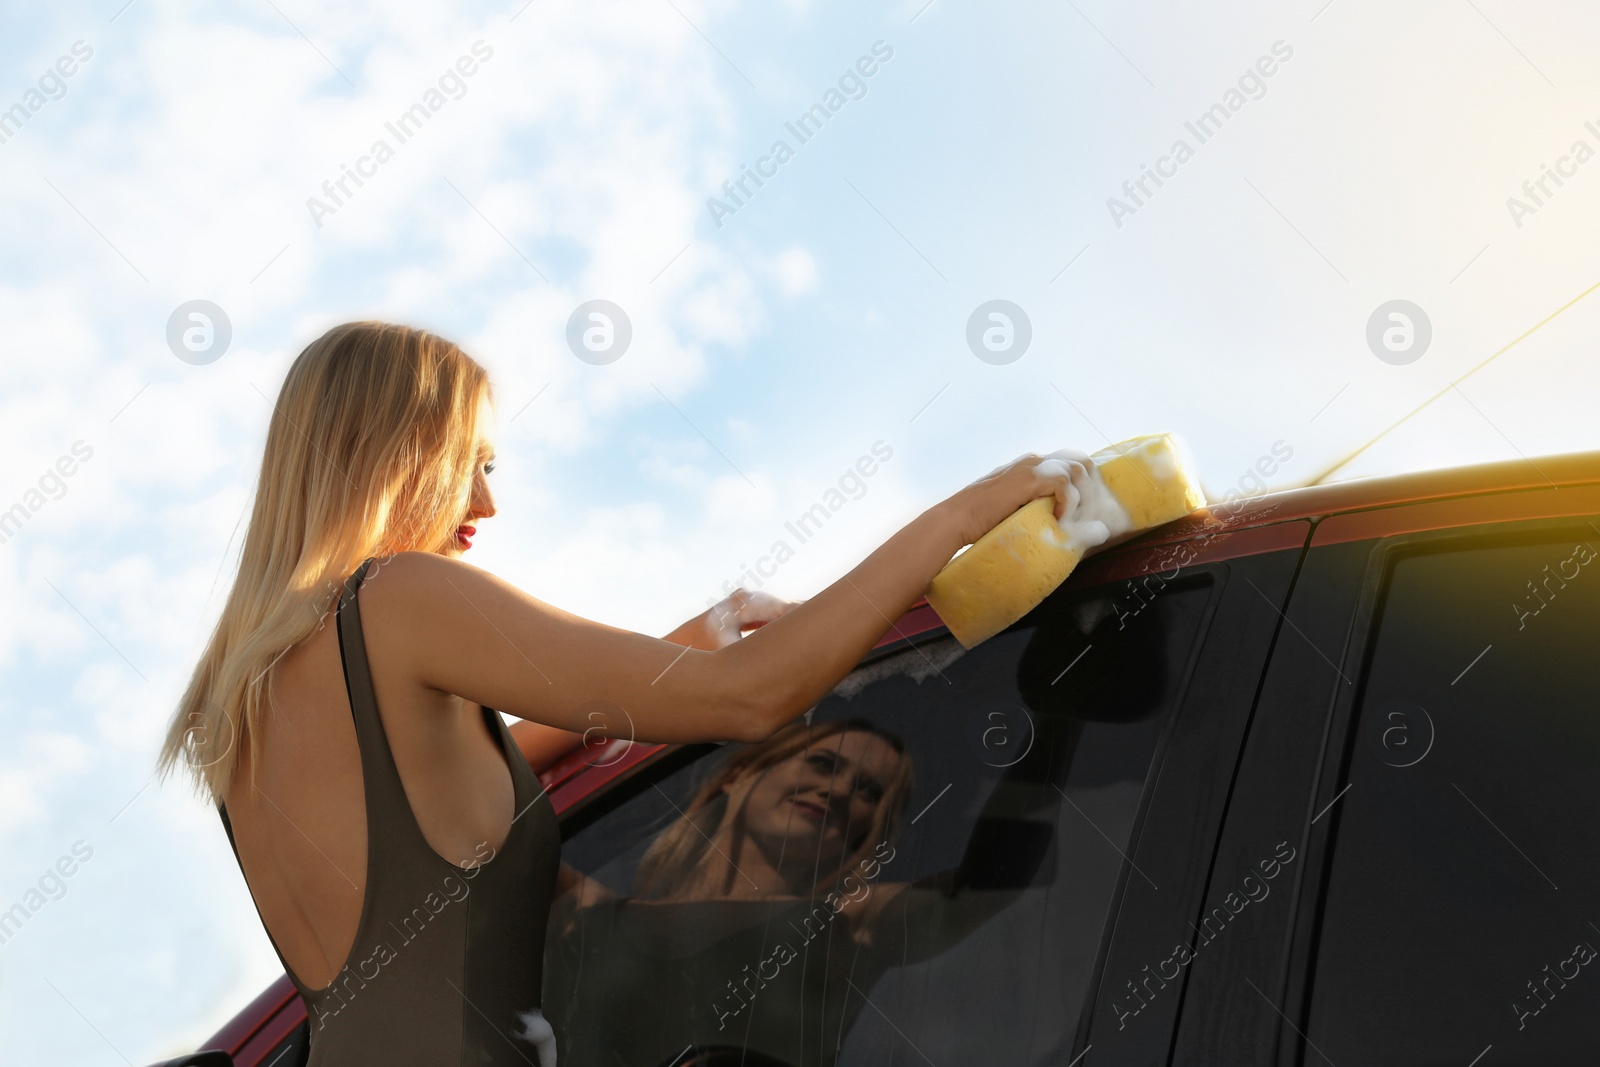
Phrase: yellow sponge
(1138, 484)
(1151, 478)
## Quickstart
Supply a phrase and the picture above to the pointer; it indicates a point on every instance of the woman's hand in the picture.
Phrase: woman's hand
(744, 610)
(724, 621)
(987, 502)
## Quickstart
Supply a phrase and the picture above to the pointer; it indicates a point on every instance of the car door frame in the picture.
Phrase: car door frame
(1252, 1000)
(1185, 800)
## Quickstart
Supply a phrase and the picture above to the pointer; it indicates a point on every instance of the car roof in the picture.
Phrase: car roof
(1390, 490)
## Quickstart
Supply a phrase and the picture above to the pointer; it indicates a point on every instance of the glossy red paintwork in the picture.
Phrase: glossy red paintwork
(250, 1034)
(1344, 511)
(1362, 494)
(1546, 503)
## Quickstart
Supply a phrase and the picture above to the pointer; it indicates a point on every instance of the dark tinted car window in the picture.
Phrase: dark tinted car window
(1465, 875)
(923, 872)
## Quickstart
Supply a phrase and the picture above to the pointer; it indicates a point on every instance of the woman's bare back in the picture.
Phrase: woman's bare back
(300, 825)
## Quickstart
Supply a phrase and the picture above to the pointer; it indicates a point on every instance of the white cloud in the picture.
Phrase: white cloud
(795, 271)
(39, 762)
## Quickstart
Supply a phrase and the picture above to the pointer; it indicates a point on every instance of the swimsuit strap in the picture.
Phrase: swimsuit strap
(392, 830)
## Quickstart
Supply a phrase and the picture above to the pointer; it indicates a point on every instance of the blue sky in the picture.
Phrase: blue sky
(829, 313)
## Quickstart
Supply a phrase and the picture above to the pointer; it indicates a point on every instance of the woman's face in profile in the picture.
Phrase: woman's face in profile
(806, 804)
(480, 500)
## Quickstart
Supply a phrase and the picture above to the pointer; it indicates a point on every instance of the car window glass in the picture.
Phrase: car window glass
(1461, 901)
(923, 871)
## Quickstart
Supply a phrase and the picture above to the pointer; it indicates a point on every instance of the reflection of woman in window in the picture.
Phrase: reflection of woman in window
(765, 912)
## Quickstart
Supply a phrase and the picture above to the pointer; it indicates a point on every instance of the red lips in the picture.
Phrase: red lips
(811, 808)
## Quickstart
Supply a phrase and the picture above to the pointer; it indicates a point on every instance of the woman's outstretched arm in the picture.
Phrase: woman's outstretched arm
(461, 630)
(716, 627)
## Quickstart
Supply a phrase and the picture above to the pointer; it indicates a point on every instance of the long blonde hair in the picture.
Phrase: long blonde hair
(370, 451)
(684, 851)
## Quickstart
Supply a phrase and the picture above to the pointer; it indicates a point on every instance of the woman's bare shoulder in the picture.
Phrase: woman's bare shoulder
(411, 572)
(428, 583)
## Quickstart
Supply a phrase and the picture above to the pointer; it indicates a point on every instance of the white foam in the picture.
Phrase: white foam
(1165, 465)
(1093, 514)
(1092, 613)
(920, 663)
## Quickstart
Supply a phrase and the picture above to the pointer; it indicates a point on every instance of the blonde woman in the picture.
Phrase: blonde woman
(343, 715)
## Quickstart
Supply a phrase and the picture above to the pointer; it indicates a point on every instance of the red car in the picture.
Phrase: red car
(1309, 777)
